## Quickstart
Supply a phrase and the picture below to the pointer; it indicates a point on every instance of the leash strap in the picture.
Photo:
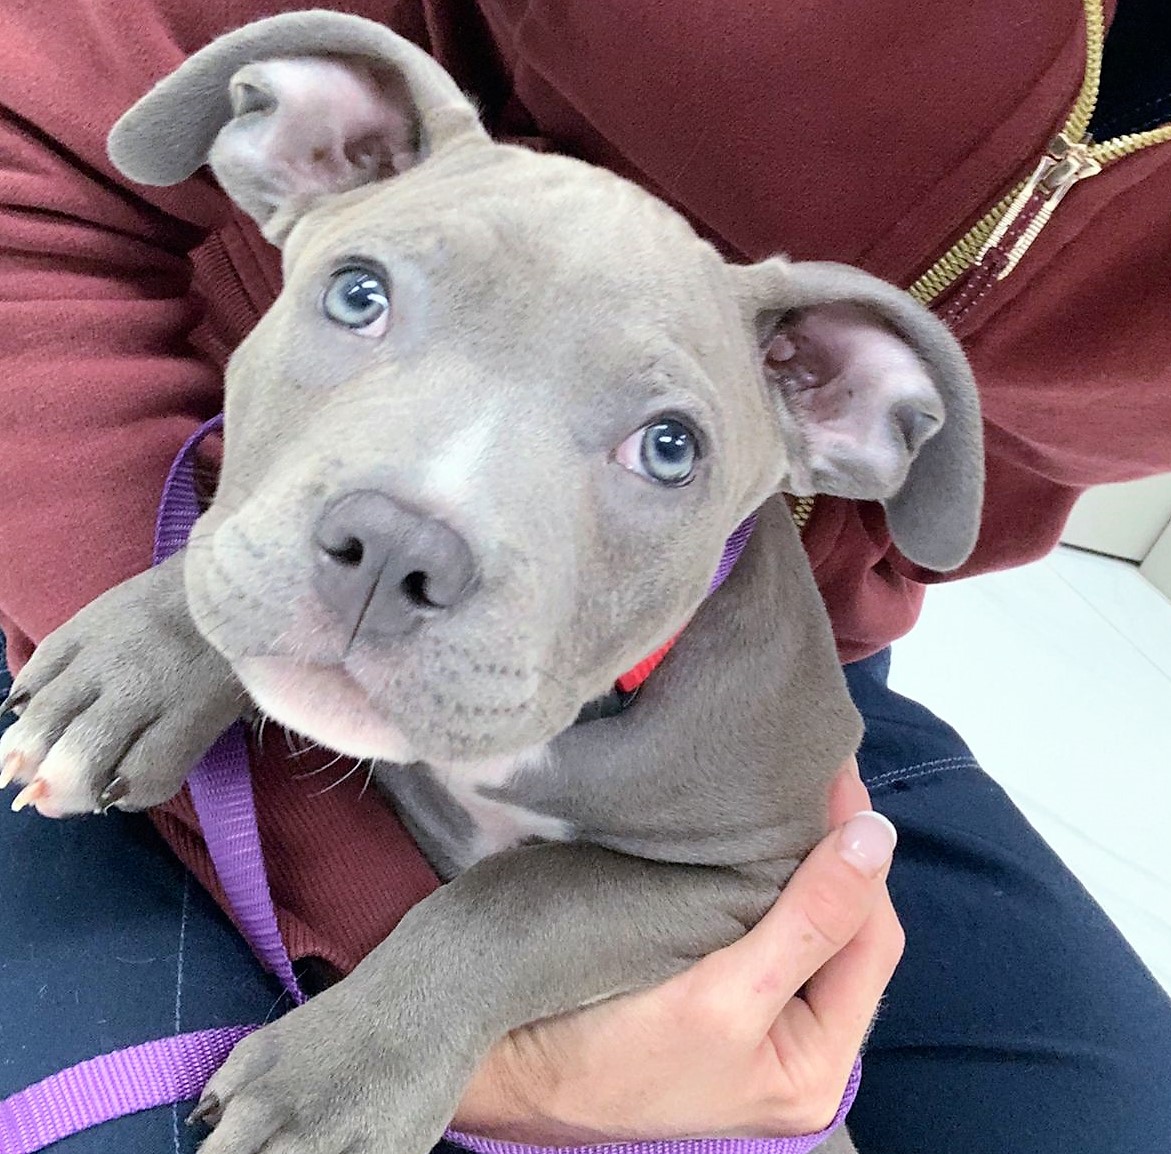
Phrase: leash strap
(173, 1069)
(221, 784)
(177, 1068)
(113, 1085)
(628, 685)
(221, 790)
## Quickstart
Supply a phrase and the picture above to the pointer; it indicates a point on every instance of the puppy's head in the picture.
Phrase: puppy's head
(482, 454)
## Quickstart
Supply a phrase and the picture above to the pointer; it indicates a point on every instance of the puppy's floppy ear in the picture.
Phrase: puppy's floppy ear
(293, 108)
(876, 401)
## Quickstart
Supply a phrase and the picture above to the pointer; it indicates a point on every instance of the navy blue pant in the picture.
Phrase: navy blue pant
(1018, 1023)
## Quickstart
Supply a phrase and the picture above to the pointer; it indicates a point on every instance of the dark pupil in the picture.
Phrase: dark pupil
(669, 450)
(672, 444)
(356, 298)
(364, 295)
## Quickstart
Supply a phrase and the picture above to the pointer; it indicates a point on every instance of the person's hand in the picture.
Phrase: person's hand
(757, 1039)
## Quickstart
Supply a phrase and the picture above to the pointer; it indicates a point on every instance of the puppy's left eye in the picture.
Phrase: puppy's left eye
(358, 298)
(666, 452)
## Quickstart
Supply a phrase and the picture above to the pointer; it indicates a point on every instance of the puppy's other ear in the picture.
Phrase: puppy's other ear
(876, 400)
(292, 109)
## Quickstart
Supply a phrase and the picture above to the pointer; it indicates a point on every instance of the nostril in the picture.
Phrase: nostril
(384, 568)
(414, 585)
(349, 553)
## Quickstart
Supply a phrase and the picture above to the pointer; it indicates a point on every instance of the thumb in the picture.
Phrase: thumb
(847, 795)
(826, 902)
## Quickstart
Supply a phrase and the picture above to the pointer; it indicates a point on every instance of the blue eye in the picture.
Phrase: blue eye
(669, 452)
(666, 452)
(358, 299)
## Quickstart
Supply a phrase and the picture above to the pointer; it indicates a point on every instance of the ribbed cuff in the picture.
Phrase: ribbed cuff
(801, 1144)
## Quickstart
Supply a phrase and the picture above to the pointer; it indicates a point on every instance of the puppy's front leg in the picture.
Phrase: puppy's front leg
(119, 702)
(377, 1064)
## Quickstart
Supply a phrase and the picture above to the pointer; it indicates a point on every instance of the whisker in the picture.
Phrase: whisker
(369, 778)
(541, 711)
(558, 681)
(213, 630)
(344, 777)
(320, 769)
(268, 1016)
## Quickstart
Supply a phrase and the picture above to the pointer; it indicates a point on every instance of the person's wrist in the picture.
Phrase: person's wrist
(525, 1095)
(524, 1127)
(508, 1098)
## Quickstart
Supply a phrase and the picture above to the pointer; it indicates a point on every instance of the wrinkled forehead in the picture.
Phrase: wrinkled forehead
(508, 232)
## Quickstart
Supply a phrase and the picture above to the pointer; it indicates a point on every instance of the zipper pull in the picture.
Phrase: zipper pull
(1065, 162)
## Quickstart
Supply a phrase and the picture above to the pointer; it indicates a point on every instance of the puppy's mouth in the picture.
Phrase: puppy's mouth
(324, 704)
(433, 697)
(330, 705)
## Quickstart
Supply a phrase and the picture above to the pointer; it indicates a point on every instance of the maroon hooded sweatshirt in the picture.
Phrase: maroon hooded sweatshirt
(858, 131)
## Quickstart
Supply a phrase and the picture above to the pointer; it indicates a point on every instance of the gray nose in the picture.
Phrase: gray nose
(384, 567)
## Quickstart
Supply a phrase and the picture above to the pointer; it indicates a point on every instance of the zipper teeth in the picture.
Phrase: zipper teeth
(1087, 98)
(802, 510)
(962, 255)
(1111, 150)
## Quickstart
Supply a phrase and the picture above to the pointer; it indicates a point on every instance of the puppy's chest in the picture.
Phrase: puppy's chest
(455, 816)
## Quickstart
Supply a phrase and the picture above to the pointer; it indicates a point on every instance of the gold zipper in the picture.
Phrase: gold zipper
(801, 510)
(1063, 165)
(1071, 157)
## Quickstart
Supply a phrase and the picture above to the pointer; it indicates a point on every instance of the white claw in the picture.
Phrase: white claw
(8, 770)
(30, 795)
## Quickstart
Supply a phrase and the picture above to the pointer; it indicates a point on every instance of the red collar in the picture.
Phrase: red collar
(628, 684)
(632, 679)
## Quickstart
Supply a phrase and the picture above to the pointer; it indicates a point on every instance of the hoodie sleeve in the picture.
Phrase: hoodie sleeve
(99, 383)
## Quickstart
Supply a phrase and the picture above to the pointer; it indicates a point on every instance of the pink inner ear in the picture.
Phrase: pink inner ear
(308, 127)
(331, 123)
(861, 398)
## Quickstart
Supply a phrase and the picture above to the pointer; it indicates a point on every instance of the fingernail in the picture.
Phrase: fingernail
(867, 842)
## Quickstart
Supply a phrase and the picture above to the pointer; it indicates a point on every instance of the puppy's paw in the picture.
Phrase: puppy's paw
(321, 1082)
(116, 705)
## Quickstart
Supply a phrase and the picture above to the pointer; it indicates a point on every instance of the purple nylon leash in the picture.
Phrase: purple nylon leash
(221, 784)
(733, 547)
(112, 1086)
(221, 791)
(173, 1069)
(177, 1068)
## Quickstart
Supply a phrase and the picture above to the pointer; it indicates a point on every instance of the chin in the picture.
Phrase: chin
(323, 704)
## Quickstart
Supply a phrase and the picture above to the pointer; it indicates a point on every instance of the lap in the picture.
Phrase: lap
(1019, 1018)
(105, 942)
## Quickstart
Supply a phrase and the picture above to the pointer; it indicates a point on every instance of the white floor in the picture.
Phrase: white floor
(1059, 677)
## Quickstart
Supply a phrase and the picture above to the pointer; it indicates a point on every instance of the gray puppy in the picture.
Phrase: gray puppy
(481, 457)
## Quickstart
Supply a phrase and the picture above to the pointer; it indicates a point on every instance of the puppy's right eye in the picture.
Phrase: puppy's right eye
(666, 452)
(358, 299)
